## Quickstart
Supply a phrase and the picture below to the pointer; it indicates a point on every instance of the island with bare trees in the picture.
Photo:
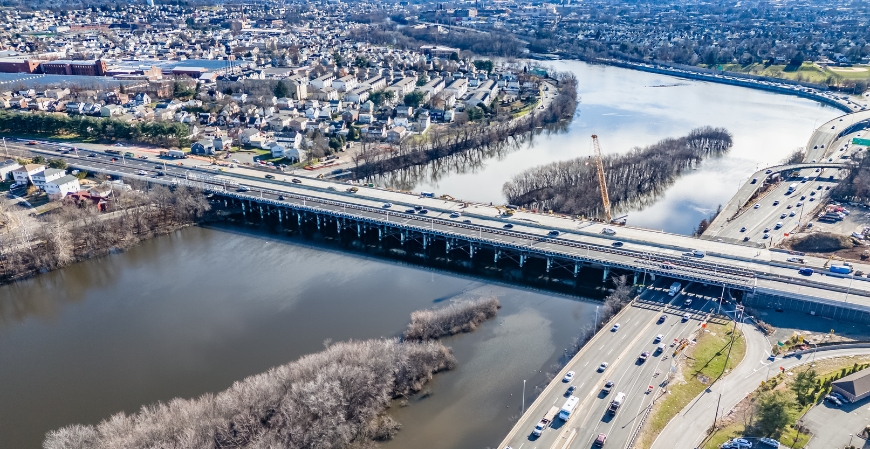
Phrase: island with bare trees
(571, 187)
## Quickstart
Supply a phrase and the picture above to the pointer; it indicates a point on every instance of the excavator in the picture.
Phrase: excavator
(834, 257)
(504, 211)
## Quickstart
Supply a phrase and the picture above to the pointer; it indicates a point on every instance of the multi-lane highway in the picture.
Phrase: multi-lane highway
(620, 349)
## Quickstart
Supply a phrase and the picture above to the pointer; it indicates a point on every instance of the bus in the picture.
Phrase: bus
(792, 188)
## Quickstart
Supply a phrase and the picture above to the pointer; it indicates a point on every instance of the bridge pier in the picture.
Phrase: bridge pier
(635, 278)
(243, 210)
(299, 219)
(606, 272)
(380, 234)
(549, 263)
(318, 222)
(279, 215)
(576, 268)
(447, 245)
(471, 251)
(425, 241)
(402, 238)
(338, 226)
(358, 231)
(497, 253)
(522, 260)
(261, 212)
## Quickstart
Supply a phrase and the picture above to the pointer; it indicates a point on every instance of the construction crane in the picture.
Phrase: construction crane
(602, 182)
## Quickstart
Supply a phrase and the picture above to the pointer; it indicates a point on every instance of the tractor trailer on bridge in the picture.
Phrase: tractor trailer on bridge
(675, 288)
(568, 408)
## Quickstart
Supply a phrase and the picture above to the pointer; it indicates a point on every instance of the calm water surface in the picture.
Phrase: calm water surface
(194, 311)
(627, 108)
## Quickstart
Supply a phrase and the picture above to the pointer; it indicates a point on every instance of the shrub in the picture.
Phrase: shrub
(453, 319)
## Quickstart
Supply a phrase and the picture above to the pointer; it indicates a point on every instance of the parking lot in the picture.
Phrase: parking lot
(832, 427)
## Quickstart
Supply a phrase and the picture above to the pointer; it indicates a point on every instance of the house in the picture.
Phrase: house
(350, 115)
(278, 149)
(403, 87)
(853, 387)
(24, 175)
(40, 178)
(142, 98)
(295, 155)
(204, 147)
(246, 135)
(396, 134)
(423, 123)
(62, 186)
(344, 84)
(7, 167)
(322, 81)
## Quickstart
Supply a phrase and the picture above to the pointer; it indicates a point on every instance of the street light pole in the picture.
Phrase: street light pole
(524, 397)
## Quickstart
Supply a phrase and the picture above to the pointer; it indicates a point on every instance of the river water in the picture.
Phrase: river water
(626, 109)
(192, 312)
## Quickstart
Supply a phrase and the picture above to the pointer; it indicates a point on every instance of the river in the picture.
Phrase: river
(194, 311)
(626, 109)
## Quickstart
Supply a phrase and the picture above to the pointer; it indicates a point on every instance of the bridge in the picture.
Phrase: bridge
(468, 235)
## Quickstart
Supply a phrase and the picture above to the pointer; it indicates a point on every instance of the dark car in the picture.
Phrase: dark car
(270, 176)
(296, 181)
(662, 319)
(281, 197)
(409, 211)
(508, 226)
(92, 155)
(553, 233)
(424, 211)
(617, 244)
(466, 221)
(806, 271)
(160, 173)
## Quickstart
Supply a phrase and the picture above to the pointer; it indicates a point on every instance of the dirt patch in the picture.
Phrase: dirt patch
(821, 242)
(703, 379)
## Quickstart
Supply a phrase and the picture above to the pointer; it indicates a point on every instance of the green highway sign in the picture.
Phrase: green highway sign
(857, 141)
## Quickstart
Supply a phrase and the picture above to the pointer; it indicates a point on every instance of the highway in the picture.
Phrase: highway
(528, 228)
(639, 326)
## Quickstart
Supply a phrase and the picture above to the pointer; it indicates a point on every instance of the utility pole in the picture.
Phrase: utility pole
(716, 418)
(524, 397)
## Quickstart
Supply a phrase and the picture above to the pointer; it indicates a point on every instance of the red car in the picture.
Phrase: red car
(602, 437)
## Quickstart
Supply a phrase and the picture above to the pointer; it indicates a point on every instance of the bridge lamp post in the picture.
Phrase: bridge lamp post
(524, 397)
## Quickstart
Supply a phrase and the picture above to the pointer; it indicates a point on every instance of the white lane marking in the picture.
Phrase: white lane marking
(611, 350)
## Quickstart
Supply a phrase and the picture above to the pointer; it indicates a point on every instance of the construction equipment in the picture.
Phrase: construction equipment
(447, 197)
(832, 257)
(504, 211)
(602, 183)
(865, 254)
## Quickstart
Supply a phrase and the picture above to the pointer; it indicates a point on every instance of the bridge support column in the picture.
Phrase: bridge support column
(576, 268)
(522, 260)
(606, 272)
(225, 203)
(635, 278)
(497, 253)
(471, 251)
(358, 231)
(447, 245)
(402, 238)
(425, 241)
(243, 210)
(261, 212)
(279, 215)
(338, 226)
(299, 219)
(380, 234)
(549, 263)
(318, 222)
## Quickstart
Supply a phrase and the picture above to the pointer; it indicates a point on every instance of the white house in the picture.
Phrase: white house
(8, 166)
(62, 186)
(345, 83)
(24, 175)
(50, 174)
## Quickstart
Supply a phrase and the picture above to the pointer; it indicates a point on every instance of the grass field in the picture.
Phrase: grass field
(706, 359)
(806, 72)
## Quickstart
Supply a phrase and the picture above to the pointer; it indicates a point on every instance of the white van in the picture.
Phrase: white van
(608, 231)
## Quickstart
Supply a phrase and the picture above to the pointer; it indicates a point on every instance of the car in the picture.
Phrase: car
(838, 396)
(143, 157)
(602, 366)
(776, 203)
(455, 215)
(803, 197)
(688, 302)
(643, 356)
(740, 443)
(508, 226)
(608, 386)
(743, 229)
(601, 439)
(806, 271)
(424, 211)
(615, 327)
(553, 233)
(410, 211)
(767, 172)
(799, 204)
(32, 142)
(783, 216)
(571, 389)
(466, 221)
(92, 155)
(244, 188)
(746, 239)
(568, 376)
(299, 181)
(387, 205)
(685, 317)
(754, 180)
(236, 161)
(827, 187)
(789, 206)
(795, 260)
(766, 230)
(418, 208)
(617, 244)
(662, 319)
(756, 206)
(658, 338)
(608, 231)
(765, 236)
(833, 400)
(270, 176)
(160, 173)
(818, 170)
(119, 144)
(281, 197)
(329, 188)
(114, 159)
(142, 173)
(812, 199)
(812, 194)
(791, 214)
(667, 265)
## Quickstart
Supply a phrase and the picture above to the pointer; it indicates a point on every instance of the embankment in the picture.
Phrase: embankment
(571, 186)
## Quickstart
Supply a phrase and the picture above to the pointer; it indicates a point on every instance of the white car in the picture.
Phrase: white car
(142, 173)
(602, 367)
(387, 205)
(658, 338)
(568, 377)
(615, 327)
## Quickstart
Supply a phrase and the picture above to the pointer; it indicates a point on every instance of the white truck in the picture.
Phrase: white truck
(545, 421)
(568, 408)
(615, 403)
(675, 288)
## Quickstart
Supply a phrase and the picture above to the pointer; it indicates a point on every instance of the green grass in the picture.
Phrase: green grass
(807, 71)
(790, 436)
(707, 359)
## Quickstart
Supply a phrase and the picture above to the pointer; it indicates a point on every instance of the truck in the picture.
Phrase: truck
(615, 403)
(113, 151)
(177, 154)
(427, 194)
(792, 188)
(545, 421)
(841, 269)
(129, 154)
(675, 288)
(568, 408)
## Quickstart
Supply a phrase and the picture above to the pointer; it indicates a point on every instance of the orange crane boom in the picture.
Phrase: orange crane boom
(602, 182)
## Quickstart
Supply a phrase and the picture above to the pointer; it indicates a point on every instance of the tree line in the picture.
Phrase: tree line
(442, 142)
(336, 398)
(77, 230)
(572, 186)
(856, 185)
(168, 134)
